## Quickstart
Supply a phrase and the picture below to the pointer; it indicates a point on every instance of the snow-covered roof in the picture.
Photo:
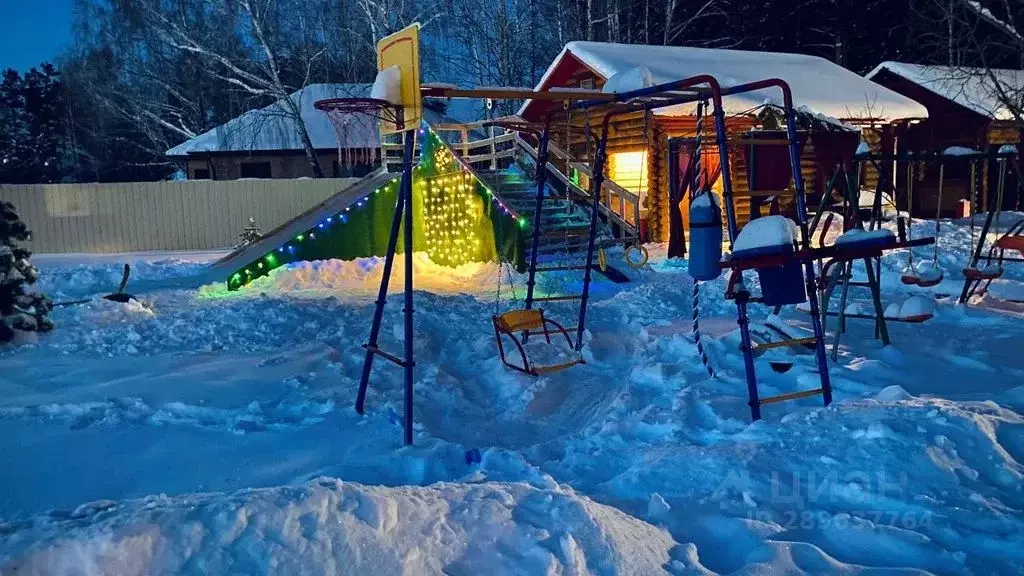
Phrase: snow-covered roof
(817, 84)
(269, 128)
(971, 88)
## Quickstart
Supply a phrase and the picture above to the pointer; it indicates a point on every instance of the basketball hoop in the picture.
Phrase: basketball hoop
(355, 122)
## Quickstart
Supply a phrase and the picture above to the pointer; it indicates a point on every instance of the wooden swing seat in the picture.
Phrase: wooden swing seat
(526, 321)
(913, 280)
(983, 273)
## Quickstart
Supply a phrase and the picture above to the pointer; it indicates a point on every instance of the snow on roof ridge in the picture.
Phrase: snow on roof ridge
(817, 83)
(968, 86)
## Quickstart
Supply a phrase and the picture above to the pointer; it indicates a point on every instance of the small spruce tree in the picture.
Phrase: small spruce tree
(19, 310)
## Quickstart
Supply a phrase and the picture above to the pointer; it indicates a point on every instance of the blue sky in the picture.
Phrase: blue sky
(33, 31)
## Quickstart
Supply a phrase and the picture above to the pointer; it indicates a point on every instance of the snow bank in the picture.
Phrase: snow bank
(362, 277)
(958, 151)
(332, 527)
(1008, 149)
(917, 307)
(388, 85)
(766, 231)
(856, 235)
(628, 80)
(928, 271)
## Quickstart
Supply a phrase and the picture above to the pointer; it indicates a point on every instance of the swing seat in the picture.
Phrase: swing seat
(986, 273)
(1010, 243)
(526, 321)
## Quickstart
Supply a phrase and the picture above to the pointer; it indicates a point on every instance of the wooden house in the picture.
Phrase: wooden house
(648, 153)
(965, 109)
(263, 143)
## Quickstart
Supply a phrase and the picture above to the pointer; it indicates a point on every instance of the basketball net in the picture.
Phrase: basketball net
(356, 123)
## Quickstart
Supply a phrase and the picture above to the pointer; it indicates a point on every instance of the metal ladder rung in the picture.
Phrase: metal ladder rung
(558, 298)
(784, 343)
(560, 268)
(386, 355)
(791, 396)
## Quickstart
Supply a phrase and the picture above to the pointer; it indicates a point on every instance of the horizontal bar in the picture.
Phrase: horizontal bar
(386, 355)
(508, 93)
(833, 251)
(790, 396)
(934, 156)
(871, 317)
(785, 343)
(560, 268)
(558, 298)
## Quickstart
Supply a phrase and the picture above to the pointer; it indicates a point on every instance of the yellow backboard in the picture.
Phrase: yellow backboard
(402, 49)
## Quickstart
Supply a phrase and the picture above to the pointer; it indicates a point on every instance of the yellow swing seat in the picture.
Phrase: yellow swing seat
(526, 321)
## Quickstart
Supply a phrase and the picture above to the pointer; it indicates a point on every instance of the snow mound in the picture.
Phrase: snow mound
(916, 307)
(1008, 149)
(628, 80)
(893, 393)
(766, 231)
(362, 277)
(928, 271)
(958, 151)
(858, 235)
(388, 85)
(332, 527)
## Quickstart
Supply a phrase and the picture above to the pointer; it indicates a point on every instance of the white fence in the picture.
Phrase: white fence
(142, 216)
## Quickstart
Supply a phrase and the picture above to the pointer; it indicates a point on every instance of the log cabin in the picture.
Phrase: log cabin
(966, 108)
(648, 153)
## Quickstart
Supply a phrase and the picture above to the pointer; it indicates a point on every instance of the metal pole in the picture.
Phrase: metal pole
(409, 363)
(595, 191)
(541, 178)
(389, 259)
(723, 155)
(801, 206)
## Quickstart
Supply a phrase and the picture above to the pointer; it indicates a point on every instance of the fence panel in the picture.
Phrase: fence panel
(142, 216)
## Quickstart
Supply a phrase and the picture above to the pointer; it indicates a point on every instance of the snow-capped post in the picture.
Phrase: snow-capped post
(19, 310)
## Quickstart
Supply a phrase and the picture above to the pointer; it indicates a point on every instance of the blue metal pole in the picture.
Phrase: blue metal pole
(541, 178)
(595, 190)
(409, 363)
(723, 155)
(805, 240)
(389, 259)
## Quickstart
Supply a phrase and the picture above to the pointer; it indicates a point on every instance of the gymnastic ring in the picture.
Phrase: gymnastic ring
(643, 256)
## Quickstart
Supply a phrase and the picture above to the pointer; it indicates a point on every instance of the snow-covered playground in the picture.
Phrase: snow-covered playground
(202, 431)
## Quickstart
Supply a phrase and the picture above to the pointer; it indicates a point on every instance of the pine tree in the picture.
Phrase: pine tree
(250, 234)
(19, 310)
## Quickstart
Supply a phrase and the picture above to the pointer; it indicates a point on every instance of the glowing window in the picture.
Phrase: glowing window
(629, 170)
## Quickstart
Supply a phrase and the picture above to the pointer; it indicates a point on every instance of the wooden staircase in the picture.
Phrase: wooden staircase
(565, 225)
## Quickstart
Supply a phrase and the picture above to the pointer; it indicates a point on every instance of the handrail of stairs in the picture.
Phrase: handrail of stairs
(612, 188)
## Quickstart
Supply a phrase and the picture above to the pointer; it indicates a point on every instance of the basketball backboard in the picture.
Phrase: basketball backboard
(402, 49)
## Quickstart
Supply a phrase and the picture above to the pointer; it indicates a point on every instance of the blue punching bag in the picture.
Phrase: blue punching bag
(705, 237)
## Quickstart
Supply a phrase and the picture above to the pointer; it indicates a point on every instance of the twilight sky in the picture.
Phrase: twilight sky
(32, 31)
